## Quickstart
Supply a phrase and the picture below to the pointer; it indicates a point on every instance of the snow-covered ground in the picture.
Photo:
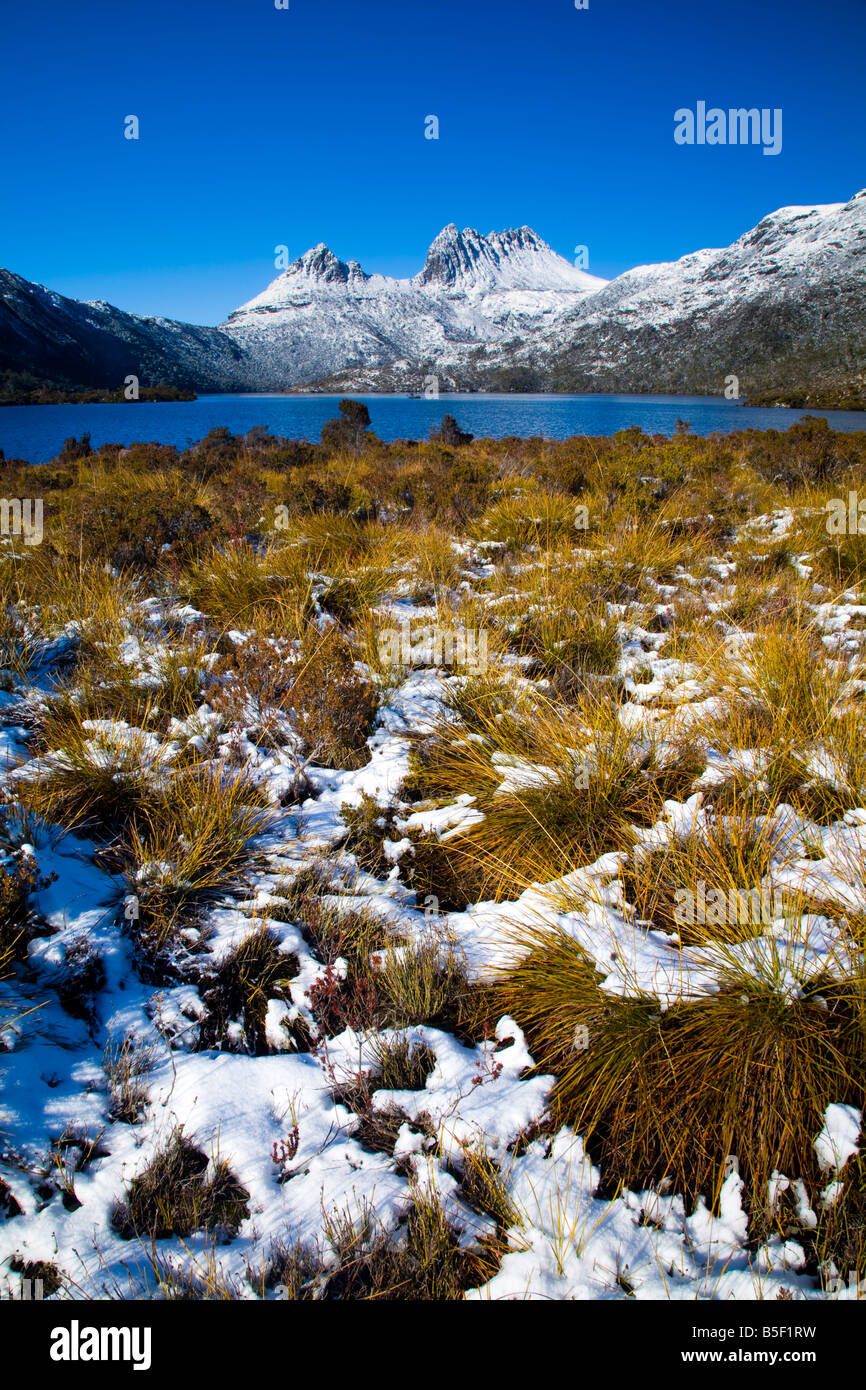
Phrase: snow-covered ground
(567, 1240)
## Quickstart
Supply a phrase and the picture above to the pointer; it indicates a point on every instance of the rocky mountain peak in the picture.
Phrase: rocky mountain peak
(320, 264)
(516, 258)
(456, 257)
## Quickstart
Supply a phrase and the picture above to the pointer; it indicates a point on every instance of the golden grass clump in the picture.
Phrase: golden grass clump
(671, 1095)
(195, 840)
(557, 787)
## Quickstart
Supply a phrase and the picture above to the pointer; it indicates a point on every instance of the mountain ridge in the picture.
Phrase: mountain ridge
(46, 337)
(321, 313)
(783, 306)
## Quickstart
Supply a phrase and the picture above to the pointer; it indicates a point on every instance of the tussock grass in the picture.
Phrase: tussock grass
(788, 680)
(98, 775)
(333, 703)
(432, 560)
(423, 982)
(197, 1278)
(71, 596)
(747, 1072)
(195, 841)
(40, 1272)
(732, 854)
(531, 516)
(840, 1236)
(403, 1061)
(103, 686)
(554, 616)
(19, 650)
(557, 787)
(637, 550)
(369, 825)
(245, 980)
(373, 977)
(127, 1064)
(484, 1186)
(423, 1261)
(243, 587)
(179, 1192)
(788, 698)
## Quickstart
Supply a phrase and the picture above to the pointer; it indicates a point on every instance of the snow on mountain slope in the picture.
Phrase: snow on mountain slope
(322, 315)
(786, 300)
(785, 304)
(791, 248)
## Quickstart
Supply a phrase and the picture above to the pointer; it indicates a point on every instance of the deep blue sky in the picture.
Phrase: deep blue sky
(262, 126)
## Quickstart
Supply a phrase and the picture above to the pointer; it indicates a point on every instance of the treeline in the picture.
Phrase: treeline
(845, 398)
(19, 388)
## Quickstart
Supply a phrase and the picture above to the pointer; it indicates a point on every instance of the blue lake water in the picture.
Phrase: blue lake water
(37, 432)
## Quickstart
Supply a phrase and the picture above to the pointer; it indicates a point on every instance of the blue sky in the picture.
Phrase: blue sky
(261, 127)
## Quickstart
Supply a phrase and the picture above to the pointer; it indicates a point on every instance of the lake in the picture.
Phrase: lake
(37, 432)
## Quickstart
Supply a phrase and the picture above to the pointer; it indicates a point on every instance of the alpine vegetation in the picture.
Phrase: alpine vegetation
(434, 870)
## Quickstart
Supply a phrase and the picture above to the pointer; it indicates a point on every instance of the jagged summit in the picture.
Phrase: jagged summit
(514, 259)
(467, 262)
(316, 269)
(320, 263)
(473, 289)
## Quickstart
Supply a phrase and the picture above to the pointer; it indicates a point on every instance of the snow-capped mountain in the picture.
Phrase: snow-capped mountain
(514, 260)
(783, 307)
(322, 315)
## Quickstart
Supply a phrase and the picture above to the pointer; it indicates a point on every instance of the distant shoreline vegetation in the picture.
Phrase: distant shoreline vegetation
(19, 389)
(14, 392)
(817, 400)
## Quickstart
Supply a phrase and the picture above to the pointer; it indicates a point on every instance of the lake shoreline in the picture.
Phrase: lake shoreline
(37, 433)
(151, 395)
